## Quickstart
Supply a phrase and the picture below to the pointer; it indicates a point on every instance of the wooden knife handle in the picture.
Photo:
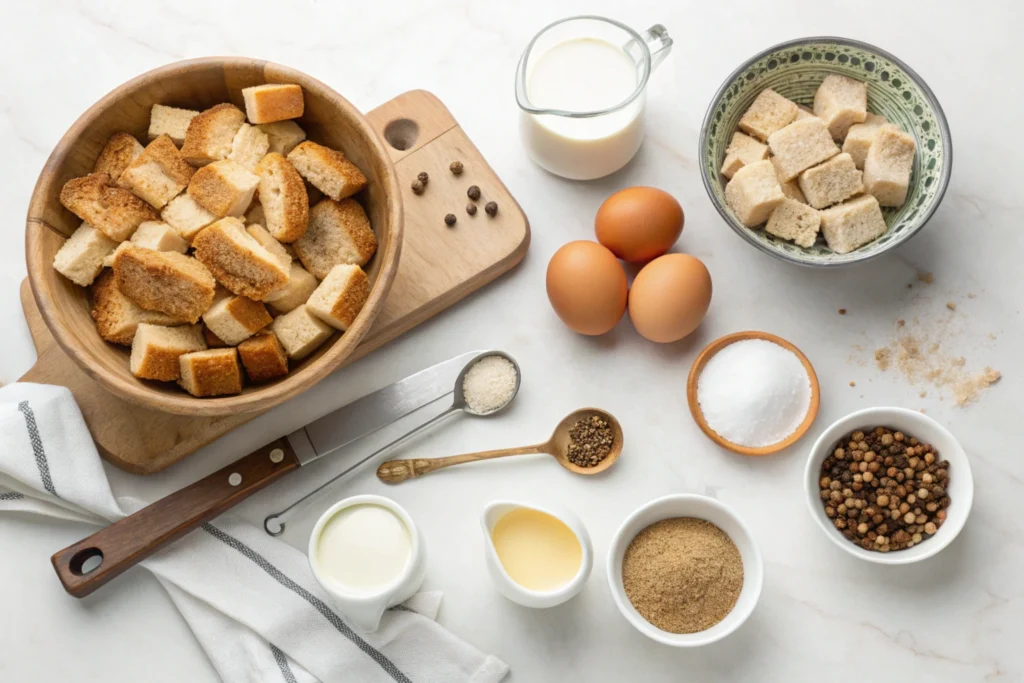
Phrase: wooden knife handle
(127, 542)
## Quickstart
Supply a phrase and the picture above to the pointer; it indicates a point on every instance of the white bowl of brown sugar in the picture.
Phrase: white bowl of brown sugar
(684, 570)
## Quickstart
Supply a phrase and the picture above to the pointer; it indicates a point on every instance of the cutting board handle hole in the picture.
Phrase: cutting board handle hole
(85, 561)
(401, 133)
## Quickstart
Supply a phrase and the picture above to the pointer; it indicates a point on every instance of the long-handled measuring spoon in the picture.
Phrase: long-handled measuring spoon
(274, 524)
(395, 471)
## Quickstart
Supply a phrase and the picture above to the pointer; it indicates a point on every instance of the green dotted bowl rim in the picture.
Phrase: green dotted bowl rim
(858, 255)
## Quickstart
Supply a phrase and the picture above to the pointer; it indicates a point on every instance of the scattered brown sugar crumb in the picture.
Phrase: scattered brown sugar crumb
(967, 388)
(853, 384)
(923, 394)
(951, 305)
(883, 358)
(901, 323)
(842, 311)
(925, 277)
(972, 295)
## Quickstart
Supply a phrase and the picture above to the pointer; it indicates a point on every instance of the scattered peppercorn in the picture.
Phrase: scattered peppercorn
(456, 168)
(471, 209)
(423, 177)
(842, 311)
(450, 219)
(884, 490)
(417, 187)
(473, 192)
(491, 208)
(590, 441)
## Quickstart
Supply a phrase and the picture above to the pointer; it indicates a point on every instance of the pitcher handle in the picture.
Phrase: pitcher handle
(658, 43)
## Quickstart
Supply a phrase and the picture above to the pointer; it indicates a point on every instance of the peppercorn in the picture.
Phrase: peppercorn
(473, 192)
(471, 209)
(450, 219)
(423, 177)
(491, 208)
(417, 187)
(455, 167)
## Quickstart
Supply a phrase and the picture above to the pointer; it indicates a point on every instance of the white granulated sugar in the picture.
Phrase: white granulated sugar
(754, 393)
(489, 384)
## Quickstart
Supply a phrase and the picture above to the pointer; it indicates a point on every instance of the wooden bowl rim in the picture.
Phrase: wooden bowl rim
(717, 345)
(297, 381)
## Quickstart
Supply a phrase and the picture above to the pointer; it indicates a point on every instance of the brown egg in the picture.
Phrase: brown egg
(587, 287)
(639, 223)
(669, 297)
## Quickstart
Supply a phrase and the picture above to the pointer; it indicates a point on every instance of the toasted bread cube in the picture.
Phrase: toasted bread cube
(753, 193)
(116, 316)
(114, 211)
(860, 136)
(164, 281)
(212, 340)
(841, 101)
(263, 357)
(170, 121)
(338, 232)
(340, 297)
(888, 165)
(249, 146)
(794, 221)
(108, 260)
(742, 150)
(211, 134)
(283, 198)
(328, 170)
(853, 224)
(790, 188)
(224, 188)
(831, 182)
(121, 150)
(803, 112)
(186, 216)
(213, 372)
(295, 293)
(273, 102)
(159, 236)
(80, 258)
(300, 332)
(266, 240)
(159, 174)
(768, 113)
(155, 350)
(236, 318)
(284, 136)
(799, 146)
(238, 261)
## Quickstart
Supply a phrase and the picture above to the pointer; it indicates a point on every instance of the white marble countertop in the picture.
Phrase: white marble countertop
(823, 615)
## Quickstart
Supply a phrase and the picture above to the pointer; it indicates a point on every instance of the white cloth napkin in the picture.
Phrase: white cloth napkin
(250, 599)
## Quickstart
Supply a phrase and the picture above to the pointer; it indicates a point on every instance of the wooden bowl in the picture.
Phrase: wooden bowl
(198, 84)
(698, 367)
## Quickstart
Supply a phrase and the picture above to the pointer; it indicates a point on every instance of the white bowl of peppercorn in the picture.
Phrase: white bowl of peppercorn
(889, 485)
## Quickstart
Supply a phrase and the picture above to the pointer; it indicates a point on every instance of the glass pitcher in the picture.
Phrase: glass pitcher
(581, 89)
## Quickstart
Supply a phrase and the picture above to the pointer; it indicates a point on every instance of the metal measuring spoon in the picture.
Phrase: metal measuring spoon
(274, 524)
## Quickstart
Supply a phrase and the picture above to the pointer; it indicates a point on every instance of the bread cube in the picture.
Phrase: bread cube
(211, 134)
(276, 249)
(841, 101)
(263, 357)
(795, 222)
(170, 121)
(114, 211)
(860, 136)
(300, 332)
(803, 112)
(159, 236)
(742, 150)
(768, 113)
(328, 170)
(888, 165)
(340, 297)
(853, 224)
(80, 258)
(117, 317)
(213, 372)
(753, 193)
(157, 175)
(121, 149)
(212, 340)
(338, 232)
(295, 292)
(831, 182)
(284, 136)
(236, 318)
(164, 281)
(249, 146)
(273, 102)
(799, 146)
(283, 198)
(156, 349)
(224, 188)
(238, 261)
(186, 216)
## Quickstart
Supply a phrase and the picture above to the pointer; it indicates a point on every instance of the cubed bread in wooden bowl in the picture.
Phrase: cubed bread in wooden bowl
(195, 86)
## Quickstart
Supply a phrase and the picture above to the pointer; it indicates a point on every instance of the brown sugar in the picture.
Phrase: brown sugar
(683, 575)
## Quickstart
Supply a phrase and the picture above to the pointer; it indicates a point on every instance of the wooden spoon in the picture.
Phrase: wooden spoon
(395, 471)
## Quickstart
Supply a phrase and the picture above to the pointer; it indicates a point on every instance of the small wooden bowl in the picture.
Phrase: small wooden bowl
(698, 367)
(198, 84)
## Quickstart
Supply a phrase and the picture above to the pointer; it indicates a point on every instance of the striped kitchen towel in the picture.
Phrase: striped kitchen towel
(250, 599)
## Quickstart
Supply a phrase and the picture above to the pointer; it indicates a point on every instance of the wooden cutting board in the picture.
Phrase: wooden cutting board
(438, 267)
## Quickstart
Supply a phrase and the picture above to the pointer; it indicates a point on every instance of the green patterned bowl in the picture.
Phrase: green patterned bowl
(795, 69)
